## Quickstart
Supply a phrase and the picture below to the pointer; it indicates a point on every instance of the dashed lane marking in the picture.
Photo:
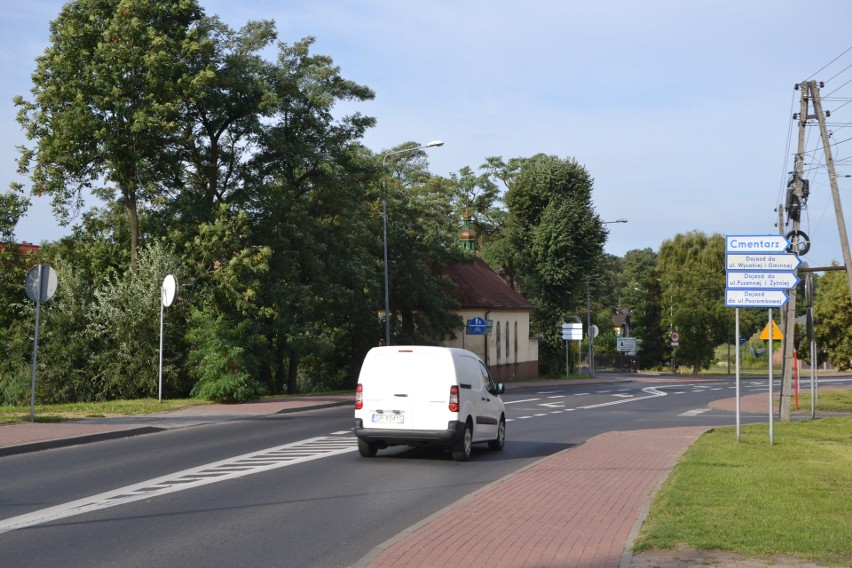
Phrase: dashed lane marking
(695, 412)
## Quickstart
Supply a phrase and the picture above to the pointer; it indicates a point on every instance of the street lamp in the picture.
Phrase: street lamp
(432, 144)
(589, 314)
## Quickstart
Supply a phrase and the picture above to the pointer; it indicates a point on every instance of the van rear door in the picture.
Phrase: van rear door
(407, 389)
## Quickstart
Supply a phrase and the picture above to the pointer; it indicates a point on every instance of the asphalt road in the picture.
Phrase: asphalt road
(291, 490)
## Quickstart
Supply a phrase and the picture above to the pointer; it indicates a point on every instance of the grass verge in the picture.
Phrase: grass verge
(75, 411)
(792, 498)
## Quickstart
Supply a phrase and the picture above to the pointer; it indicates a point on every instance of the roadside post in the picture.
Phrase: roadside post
(570, 332)
(40, 286)
(167, 297)
(757, 273)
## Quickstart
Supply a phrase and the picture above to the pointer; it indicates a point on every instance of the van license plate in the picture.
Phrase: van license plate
(388, 418)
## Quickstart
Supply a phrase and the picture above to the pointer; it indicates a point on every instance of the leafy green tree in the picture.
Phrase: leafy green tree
(833, 318)
(692, 272)
(107, 99)
(424, 220)
(558, 238)
(100, 336)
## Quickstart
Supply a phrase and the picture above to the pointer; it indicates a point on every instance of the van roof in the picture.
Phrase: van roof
(453, 351)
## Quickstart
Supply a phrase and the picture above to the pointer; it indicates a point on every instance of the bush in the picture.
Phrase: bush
(220, 358)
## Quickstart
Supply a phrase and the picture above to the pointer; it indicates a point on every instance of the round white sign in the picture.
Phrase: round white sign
(169, 290)
(41, 277)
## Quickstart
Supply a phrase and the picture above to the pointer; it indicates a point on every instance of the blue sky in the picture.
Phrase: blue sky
(680, 111)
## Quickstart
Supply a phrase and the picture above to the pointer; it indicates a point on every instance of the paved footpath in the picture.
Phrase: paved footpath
(581, 507)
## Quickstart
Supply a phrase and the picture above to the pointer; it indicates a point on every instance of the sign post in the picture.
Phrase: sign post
(40, 286)
(570, 332)
(758, 272)
(167, 297)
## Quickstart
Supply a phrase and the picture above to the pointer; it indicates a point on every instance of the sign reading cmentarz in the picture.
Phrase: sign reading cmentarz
(758, 271)
(756, 243)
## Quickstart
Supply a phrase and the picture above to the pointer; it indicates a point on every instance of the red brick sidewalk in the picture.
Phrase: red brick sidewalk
(576, 508)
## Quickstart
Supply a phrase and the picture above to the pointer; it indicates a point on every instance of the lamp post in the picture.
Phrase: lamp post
(589, 315)
(432, 144)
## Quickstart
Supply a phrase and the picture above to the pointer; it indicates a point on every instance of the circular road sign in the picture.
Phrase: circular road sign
(42, 276)
(675, 337)
(477, 326)
(168, 291)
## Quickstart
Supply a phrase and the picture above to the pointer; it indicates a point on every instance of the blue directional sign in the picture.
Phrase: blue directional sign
(476, 326)
(755, 298)
(756, 243)
(758, 270)
(762, 280)
(762, 261)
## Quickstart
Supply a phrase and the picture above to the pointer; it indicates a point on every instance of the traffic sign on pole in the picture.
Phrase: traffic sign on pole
(777, 262)
(756, 243)
(572, 331)
(763, 279)
(755, 298)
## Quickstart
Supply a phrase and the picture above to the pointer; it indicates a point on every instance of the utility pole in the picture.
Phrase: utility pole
(797, 194)
(832, 179)
(795, 201)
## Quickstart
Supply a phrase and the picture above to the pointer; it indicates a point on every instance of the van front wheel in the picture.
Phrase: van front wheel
(497, 445)
(461, 451)
(366, 449)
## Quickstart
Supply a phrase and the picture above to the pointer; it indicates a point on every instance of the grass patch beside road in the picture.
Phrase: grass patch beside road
(792, 498)
(76, 411)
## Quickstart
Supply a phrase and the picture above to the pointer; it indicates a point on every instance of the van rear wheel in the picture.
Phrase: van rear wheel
(461, 451)
(367, 449)
(497, 444)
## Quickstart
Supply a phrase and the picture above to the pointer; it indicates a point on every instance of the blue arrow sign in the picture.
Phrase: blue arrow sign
(765, 280)
(756, 243)
(762, 261)
(755, 298)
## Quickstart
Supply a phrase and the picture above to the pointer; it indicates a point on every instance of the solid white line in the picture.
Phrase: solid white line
(517, 401)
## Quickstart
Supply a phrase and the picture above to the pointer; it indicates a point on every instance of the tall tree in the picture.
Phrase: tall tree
(304, 187)
(692, 274)
(558, 236)
(107, 97)
(833, 318)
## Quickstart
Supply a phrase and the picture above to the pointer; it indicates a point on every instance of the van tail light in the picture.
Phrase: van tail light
(359, 397)
(454, 398)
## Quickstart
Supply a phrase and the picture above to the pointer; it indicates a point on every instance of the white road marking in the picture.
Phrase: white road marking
(695, 412)
(517, 401)
(231, 468)
(652, 392)
(623, 395)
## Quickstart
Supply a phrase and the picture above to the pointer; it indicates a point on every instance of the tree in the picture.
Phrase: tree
(558, 238)
(833, 318)
(107, 99)
(692, 273)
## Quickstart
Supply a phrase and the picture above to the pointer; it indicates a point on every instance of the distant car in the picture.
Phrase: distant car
(427, 396)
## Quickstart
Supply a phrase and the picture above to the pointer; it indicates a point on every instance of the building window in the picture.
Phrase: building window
(498, 343)
(516, 342)
(508, 352)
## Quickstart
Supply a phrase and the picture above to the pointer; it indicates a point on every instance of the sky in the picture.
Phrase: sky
(680, 111)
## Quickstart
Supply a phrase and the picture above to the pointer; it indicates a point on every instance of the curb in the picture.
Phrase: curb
(28, 447)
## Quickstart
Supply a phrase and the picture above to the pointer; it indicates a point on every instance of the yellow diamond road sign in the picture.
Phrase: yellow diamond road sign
(776, 333)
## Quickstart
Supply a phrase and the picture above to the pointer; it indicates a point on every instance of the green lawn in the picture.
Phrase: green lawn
(74, 411)
(792, 498)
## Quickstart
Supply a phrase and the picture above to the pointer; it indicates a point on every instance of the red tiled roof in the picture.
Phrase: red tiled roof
(24, 247)
(478, 286)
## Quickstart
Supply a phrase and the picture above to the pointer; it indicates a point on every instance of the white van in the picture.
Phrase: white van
(427, 396)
